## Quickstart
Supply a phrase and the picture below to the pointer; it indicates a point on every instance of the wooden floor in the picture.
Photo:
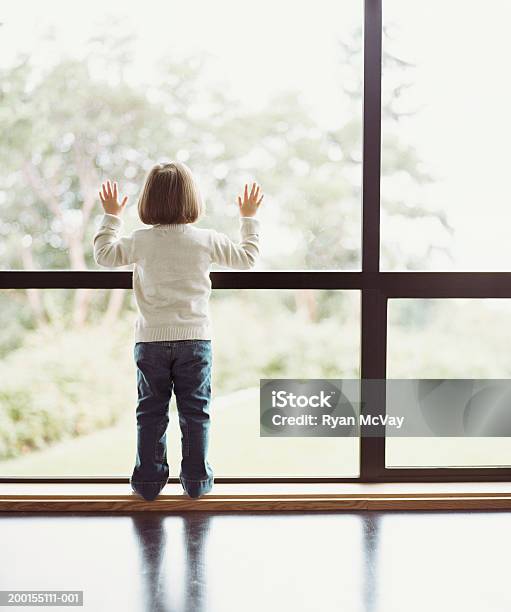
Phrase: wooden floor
(113, 498)
(243, 562)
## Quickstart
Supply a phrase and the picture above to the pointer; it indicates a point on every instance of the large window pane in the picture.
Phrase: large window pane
(448, 339)
(446, 129)
(68, 382)
(238, 92)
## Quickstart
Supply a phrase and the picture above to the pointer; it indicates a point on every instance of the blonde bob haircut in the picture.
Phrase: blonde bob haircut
(170, 196)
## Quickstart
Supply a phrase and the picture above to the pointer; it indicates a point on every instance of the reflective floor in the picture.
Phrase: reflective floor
(365, 561)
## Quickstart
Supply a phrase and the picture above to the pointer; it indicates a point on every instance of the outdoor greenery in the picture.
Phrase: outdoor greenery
(66, 366)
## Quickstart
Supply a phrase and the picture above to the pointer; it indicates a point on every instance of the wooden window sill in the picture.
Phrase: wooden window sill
(42, 497)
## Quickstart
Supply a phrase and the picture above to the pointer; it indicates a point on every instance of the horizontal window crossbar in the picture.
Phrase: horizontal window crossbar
(389, 284)
(90, 279)
(464, 474)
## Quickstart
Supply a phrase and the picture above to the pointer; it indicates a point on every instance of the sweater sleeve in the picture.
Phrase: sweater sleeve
(109, 249)
(242, 255)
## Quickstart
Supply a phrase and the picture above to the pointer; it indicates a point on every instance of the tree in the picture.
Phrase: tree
(65, 130)
(400, 159)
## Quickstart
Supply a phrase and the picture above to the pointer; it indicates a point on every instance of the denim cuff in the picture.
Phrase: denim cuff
(152, 482)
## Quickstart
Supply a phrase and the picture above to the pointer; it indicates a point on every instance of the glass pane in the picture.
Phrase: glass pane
(105, 89)
(448, 339)
(446, 129)
(68, 392)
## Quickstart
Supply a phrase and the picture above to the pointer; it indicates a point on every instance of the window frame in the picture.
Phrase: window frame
(375, 287)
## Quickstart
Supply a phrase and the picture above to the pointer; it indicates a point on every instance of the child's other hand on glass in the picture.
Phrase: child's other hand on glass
(248, 207)
(108, 196)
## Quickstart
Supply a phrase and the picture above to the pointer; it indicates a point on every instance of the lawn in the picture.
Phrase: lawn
(236, 449)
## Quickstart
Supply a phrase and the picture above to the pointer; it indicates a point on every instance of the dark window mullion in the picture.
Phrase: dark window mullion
(373, 304)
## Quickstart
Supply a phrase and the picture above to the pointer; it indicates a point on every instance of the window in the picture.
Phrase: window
(374, 223)
(449, 339)
(68, 393)
(445, 134)
(107, 89)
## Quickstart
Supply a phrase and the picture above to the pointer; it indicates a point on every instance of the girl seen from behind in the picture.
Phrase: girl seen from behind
(172, 344)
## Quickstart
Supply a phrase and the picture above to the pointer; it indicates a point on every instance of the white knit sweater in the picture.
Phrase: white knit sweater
(171, 272)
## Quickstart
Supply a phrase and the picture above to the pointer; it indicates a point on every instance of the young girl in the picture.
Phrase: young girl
(172, 286)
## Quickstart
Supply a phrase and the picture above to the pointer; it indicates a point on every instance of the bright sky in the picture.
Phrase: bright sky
(257, 48)
(463, 90)
(461, 80)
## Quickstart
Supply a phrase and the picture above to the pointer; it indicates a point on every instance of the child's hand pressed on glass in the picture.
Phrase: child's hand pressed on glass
(108, 197)
(248, 207)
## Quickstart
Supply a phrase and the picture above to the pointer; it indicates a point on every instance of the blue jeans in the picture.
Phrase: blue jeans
(185, 367)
